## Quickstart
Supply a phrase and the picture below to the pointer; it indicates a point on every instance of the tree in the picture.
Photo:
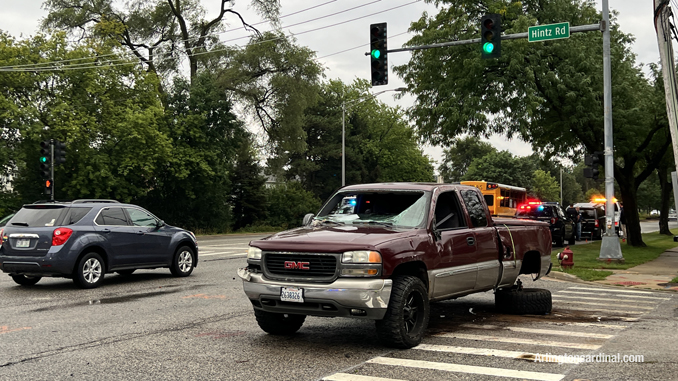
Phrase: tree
(289, 203)
(502, 167)
(458, 157)
(549, 94)
(158, 32)
(544, 186)
(248, 196)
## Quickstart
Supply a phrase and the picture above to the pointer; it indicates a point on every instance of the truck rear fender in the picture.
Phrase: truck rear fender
(414, 268)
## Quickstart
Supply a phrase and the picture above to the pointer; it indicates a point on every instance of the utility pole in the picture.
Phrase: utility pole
(663, 28)
(610, 249)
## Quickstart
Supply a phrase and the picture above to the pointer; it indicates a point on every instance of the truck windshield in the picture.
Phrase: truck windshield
(389, 208)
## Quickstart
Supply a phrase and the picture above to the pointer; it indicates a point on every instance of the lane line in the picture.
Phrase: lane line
(489, 352)
(230, 255)
(463, 336)
(499, 372)
(558, 300)
(541, 331)
(618, 296)
(357, 377)
(611, 290)
(605, 299)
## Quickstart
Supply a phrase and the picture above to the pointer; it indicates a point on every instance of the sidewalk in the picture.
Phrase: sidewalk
(654, 275)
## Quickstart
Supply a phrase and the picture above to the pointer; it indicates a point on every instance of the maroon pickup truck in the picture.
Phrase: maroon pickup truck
(384, 251)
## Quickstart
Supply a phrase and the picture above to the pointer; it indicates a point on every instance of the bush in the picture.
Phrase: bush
(289, 203)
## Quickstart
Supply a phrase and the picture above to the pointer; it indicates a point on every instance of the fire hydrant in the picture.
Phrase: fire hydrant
(566, 258)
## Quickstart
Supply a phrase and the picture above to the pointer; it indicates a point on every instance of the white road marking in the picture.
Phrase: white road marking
(618, 296)
(611, 290)
(540, 331)
(605, 299)
(557, 299)
(594, 309)
(489, 352)
(357, 377)
(609, 326)
(226, 246)
(514, 340)
(232, 255)
(499, 372)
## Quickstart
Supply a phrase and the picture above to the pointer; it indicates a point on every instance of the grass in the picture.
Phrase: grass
(674, 280)
(588, 267)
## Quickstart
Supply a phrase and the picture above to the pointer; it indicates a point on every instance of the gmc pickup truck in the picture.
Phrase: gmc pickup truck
(385, 251)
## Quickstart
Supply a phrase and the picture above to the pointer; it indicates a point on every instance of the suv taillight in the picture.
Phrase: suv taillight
(553, 220)
(1, 231)
(597, 223)
(60, 236)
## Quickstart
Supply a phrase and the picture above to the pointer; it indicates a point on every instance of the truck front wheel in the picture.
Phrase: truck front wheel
(407, 315)
(279, 324)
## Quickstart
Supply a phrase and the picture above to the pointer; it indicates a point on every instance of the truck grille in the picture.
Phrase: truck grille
(301, 266)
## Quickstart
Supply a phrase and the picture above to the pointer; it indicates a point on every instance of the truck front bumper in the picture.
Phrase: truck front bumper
(345, 297)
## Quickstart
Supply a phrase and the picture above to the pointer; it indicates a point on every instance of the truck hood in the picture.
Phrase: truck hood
(330, 239)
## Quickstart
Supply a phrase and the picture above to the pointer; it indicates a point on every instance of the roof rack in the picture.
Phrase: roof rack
(93, 200)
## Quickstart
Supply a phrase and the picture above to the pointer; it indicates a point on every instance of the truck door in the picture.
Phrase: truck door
(486, 253)
(456, 272)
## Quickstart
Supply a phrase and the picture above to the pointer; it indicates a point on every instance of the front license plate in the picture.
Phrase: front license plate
(292, 294)
(23, 243)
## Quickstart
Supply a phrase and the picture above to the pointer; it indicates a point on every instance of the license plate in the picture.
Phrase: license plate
(23, 243)
(292, 294)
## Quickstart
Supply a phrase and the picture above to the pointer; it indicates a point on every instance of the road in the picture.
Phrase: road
(152, 326)
(653, 226)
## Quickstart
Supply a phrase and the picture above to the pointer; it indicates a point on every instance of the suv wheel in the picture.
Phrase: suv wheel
(183, 262)
(26, 280)
(90, 271)
(407, 315)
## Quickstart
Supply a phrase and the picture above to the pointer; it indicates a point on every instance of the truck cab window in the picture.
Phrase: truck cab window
(447, 212)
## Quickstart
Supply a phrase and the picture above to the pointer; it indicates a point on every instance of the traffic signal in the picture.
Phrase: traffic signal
(378, 54)
(490, 36)
(49, 184)
(45, 159)
(59, 152)
(592, 162)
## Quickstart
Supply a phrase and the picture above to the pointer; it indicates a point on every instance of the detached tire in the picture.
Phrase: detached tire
(528, 301)
(26, 280)
(407, 316)
(560, 241)
(279, 324)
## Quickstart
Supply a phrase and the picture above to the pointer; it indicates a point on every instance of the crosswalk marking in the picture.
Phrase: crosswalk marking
(515, 340)
(540, 331)
(226, 254)
(356, 377)
(500, 372)
(617, 296)
(556, 299)
(606, 299)
(488, 352)
(609, 326)
(594, 309)
(613, 290)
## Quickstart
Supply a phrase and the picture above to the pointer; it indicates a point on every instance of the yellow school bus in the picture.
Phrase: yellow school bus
(501, 199)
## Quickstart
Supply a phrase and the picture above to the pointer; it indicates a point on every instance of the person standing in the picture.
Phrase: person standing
(622, 220)
(577, 220)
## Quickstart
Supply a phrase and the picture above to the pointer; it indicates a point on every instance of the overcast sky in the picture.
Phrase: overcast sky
(340, 48)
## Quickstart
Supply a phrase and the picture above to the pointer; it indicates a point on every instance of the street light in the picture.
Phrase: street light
(343, 127)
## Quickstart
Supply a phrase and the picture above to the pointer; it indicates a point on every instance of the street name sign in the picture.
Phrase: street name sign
(548, 32)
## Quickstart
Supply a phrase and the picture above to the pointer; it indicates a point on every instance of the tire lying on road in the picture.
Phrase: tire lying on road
(279, 324)
(528, 301)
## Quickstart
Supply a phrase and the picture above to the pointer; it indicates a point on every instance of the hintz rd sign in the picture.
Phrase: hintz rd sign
(548, 32)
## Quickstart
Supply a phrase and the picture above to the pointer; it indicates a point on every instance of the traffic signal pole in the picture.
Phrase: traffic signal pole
(51, 149)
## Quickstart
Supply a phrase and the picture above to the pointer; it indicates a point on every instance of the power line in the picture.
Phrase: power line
(115, 62)
(46, 65)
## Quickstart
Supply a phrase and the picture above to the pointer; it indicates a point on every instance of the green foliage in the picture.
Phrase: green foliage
(289, 203)
(458, 157)
(502, 167)
(544, 186)
(248, 195)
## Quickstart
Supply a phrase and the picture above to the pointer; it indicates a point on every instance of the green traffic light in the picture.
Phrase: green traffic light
(43, 159)
(488, 47)
(376, 54)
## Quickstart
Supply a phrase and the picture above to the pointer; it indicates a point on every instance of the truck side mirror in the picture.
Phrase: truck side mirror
(307, 219)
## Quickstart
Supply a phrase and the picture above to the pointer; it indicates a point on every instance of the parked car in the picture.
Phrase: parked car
(562, 227)
(399, 247)
(85, 239)
(593, 220)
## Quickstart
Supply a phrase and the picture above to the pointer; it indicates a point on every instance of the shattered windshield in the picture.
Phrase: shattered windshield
(403, 209)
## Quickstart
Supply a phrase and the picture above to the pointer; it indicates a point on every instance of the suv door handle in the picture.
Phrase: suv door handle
(470, 241)
(105, 230)
(140, 232)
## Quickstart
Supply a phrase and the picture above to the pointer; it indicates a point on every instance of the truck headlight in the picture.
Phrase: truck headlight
(361, 256)
(254, 253)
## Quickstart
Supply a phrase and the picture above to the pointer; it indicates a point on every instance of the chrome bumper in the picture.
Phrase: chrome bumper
(346, 297)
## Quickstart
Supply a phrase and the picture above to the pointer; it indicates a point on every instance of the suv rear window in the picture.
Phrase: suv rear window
(37, 216)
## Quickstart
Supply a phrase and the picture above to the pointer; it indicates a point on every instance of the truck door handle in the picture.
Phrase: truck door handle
(470, 241)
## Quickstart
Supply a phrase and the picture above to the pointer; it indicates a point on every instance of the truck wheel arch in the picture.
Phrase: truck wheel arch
(531, 263)
(413, 268)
